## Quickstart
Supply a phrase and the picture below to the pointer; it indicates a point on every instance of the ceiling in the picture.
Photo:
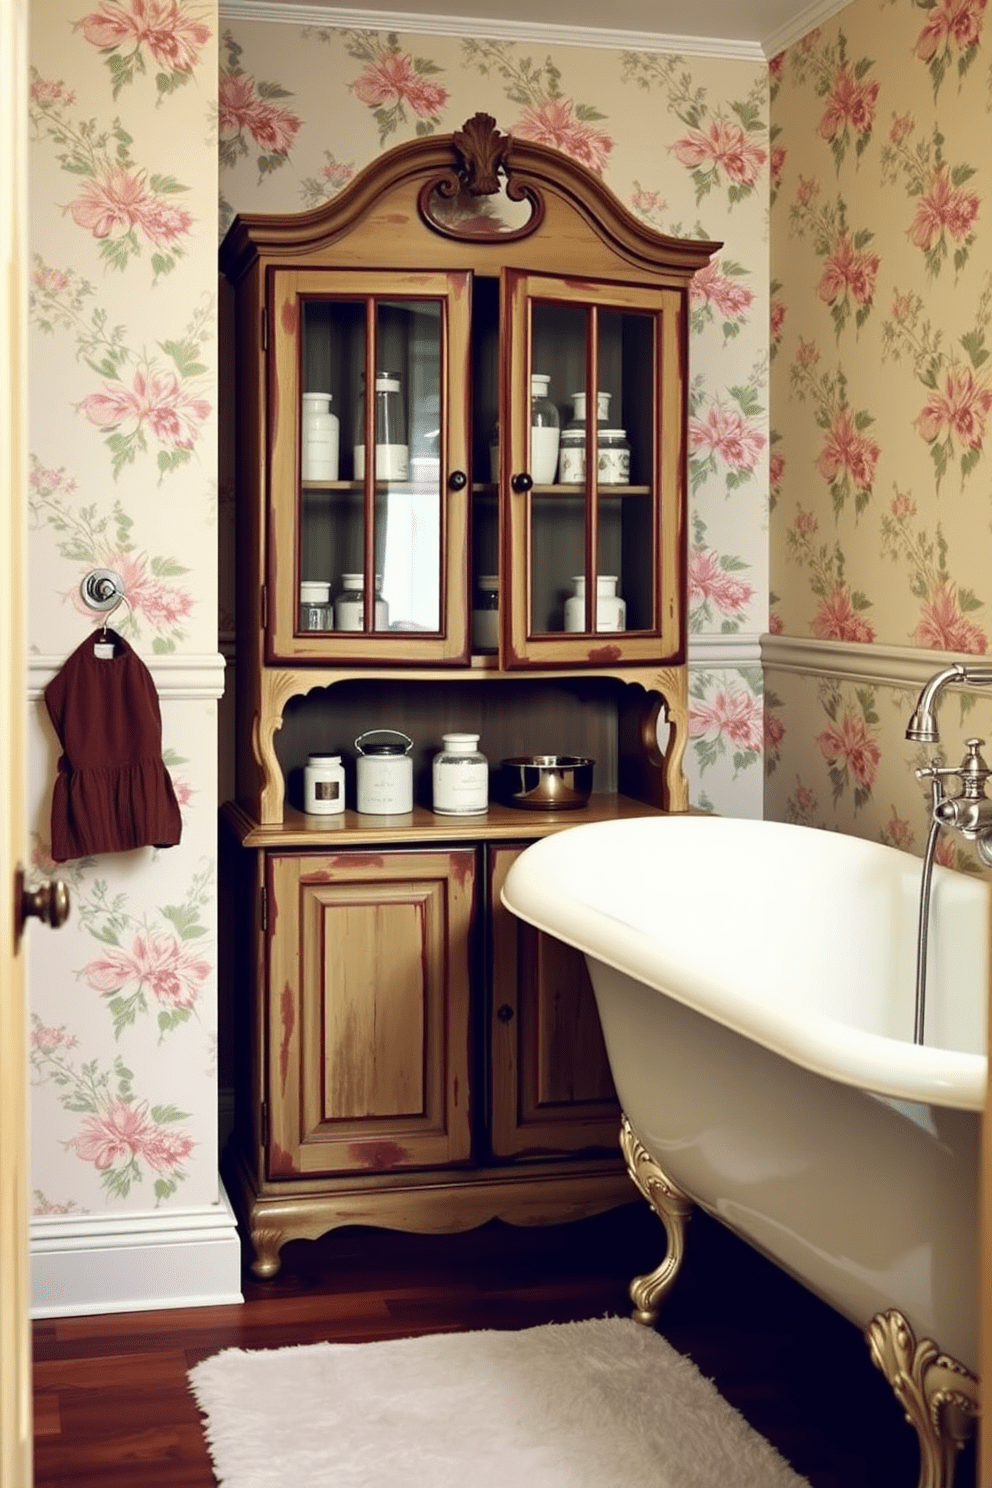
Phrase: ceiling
(722, 26)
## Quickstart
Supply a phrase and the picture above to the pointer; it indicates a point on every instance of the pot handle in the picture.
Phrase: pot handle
(393, 734)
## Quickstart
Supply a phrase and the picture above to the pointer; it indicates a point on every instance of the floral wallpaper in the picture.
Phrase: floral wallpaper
(881, 391)
(683, 142)
(122, 409)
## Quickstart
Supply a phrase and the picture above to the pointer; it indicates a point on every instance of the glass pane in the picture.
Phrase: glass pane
(331, 522)
(624, 471)
(403, 494)
(559, 350)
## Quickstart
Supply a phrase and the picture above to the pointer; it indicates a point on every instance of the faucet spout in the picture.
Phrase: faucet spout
(922, 726)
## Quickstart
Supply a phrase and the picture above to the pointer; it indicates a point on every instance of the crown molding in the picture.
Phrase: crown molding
(282, 12)
(807, 20)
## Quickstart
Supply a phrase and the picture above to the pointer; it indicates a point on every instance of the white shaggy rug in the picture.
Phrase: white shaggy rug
(600, 1404)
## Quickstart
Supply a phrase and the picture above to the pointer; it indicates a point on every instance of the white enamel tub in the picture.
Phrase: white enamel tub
(755, 983)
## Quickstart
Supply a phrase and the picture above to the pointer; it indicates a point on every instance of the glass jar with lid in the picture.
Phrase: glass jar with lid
(349, 607)
(315, 606)
(613, 458)
(545, 431)
(392, 453)
(460, 777)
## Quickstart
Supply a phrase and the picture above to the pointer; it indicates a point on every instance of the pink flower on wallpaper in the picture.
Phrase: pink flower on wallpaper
(850, 744)
(899, 832)
(121, 201)
(174, 39)
(836, 619)
(957, 21)
(724, 145)
(648, 201)
(553, 122)
(846, 269)
(162, 604)
(46, 93)
(776, 319)
(777, 165)
(946, 851)
(774, 728)
(124, 1131)
(709, 580)
(736, 716)
(159, 964)
(156, 400)
(711, 287)
(50, 1039)
(776, 469)
(943, 206)
(849, 103)
(271, 126)
(942, 626)
(727, 433)
(393, 79)
(961, 409)
(847, 451)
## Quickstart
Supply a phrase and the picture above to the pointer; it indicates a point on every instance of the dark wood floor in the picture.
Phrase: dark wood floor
(113, 1410)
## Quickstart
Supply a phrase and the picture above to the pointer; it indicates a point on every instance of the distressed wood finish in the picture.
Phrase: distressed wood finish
(552, 1091)
(368, 1064)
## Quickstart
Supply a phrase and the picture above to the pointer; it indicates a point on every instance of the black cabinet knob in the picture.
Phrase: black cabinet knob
(458, 480)
(504, 1013)
(522, 482)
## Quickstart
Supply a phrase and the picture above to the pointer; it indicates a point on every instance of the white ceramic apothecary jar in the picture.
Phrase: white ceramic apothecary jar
(349, 607)
(611, 610)
(320, 439)
(323, 785)
(545, 431)
(460, 777)
(384, 773)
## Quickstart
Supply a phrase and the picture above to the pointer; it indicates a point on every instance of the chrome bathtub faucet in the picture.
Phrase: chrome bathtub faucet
(970, 811)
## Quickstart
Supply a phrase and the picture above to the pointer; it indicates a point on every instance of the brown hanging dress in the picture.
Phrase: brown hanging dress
(112, 792)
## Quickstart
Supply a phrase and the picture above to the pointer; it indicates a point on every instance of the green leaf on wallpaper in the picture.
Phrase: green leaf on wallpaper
(75, 167)
(970, 459)
(162, 264)
(169, 1020)
(749, 115)
(967, 600)
(860, 68)
(974, 344)
(162, 644)
(272, 90)
(167, 568)
(164, 1187)
(170, 82)
(168, 1113)
(863, 419)
(587, 113)
(166, 184)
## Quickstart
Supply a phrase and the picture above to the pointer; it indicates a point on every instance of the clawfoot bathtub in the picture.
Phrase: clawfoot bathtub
(755, 983)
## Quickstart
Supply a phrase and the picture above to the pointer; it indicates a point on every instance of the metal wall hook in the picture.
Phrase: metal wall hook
(102, 589)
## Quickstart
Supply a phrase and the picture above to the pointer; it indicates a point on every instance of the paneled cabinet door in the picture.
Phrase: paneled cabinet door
(368, 1011)
(551, 1085)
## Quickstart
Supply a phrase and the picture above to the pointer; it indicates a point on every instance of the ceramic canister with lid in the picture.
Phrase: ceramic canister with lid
(320, 439)
(611, 610)
(349, 607)
(545, 431)
(323, 785)
(460, 777)
(384, 773)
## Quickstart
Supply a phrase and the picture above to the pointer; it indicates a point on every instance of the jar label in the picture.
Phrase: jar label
(461, 787)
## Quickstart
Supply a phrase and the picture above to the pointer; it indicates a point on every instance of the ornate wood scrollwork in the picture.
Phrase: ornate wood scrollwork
(450, 203)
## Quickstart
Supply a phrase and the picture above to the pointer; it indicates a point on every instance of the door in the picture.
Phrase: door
(368, 361)
(369, 991)
(593, 474)
(552, 1090)
(15, 1357)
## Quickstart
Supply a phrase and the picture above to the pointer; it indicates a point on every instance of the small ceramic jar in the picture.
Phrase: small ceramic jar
(323, 785)
(611, 611)
(384, 773)
(315, 607)
(460, 777)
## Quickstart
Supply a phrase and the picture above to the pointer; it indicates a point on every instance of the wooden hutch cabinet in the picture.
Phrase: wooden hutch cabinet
(412, 1055)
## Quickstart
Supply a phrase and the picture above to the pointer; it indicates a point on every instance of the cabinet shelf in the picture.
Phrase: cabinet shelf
(352, 829)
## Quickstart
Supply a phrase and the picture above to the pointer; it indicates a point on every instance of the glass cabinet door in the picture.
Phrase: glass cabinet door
(366, 363)
(596, 472)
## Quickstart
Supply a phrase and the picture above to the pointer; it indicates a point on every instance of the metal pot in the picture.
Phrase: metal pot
(546, 782)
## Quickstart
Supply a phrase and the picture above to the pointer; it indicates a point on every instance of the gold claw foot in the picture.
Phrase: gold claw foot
(673, 1208)
(938, 1395)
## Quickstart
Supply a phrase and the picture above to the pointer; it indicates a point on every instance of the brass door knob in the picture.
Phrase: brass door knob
(49, 902)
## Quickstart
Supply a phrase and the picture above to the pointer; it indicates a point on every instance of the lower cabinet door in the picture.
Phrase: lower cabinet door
(368, 1011)
(552, 1090)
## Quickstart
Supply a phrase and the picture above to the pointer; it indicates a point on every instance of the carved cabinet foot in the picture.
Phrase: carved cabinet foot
(938, 1395)
(266, 1245)
(673, 1208)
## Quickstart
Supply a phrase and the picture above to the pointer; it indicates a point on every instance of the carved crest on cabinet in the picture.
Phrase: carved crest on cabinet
(453, 204)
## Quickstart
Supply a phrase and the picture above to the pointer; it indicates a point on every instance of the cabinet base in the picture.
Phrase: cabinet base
(424, 1203)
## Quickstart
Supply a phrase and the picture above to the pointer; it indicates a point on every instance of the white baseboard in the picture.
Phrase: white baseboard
(82, 1263)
